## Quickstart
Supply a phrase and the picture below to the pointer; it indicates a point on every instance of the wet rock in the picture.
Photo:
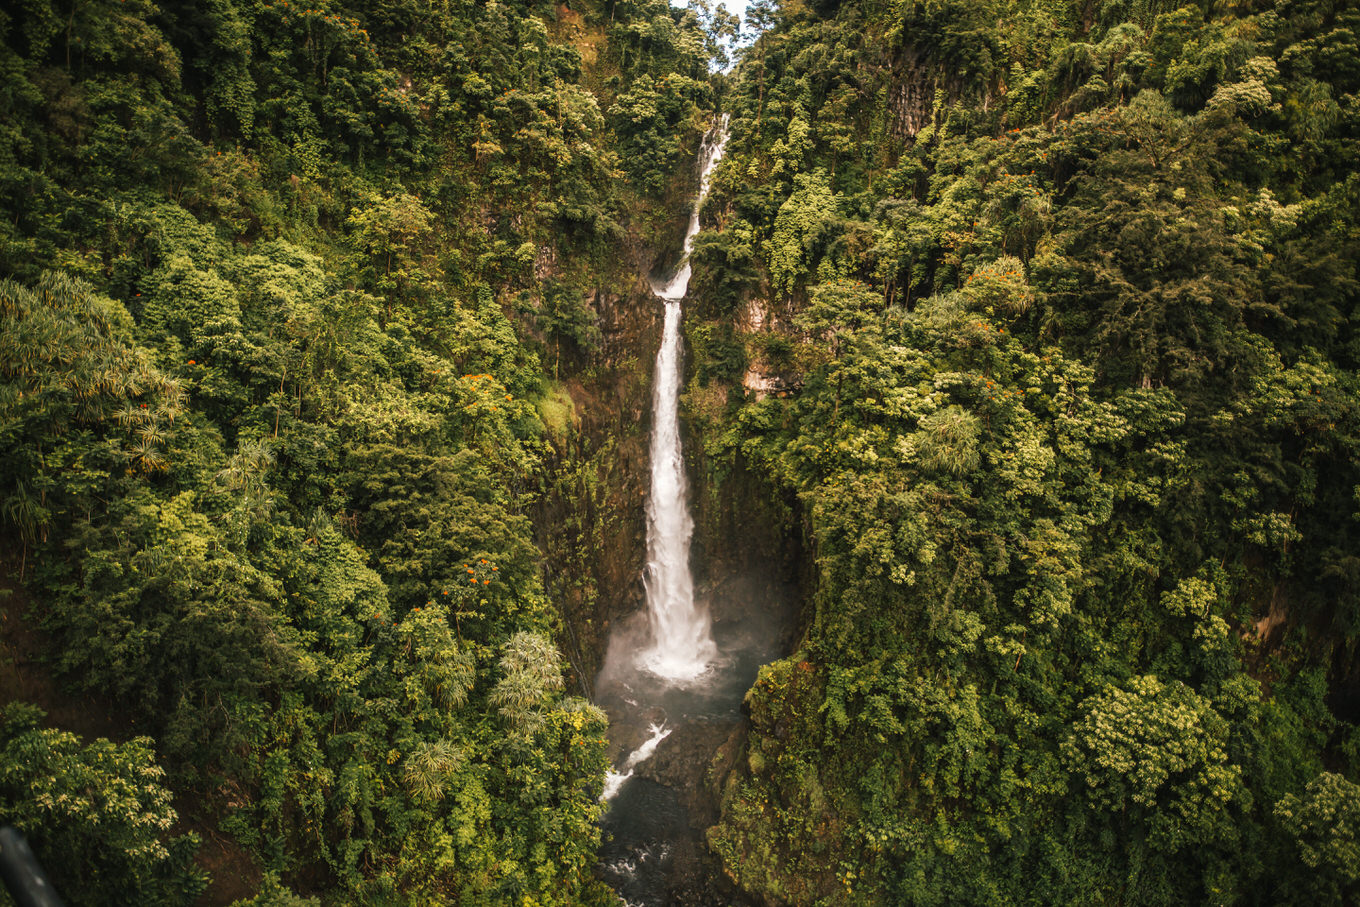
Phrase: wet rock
(630, 731)
(686, 762)
(697, 880)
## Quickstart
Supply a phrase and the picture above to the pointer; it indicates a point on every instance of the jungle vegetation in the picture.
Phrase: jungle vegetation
(1044, 317)
(1040, 319)
(283, 285)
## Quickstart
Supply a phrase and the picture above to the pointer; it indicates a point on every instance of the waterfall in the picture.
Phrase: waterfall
(682, 638)
(710, 152)
(673, 679)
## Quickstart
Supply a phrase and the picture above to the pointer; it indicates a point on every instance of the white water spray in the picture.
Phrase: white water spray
(682, 638)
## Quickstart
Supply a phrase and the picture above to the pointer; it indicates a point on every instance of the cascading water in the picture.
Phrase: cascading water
(710, 153)
(673, 679)
(682, 644)
(682, 637)
(613, 781)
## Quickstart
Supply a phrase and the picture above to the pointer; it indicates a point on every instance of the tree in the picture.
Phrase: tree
(564, 315)
(97, 815)
(1325, 825)
(390, 236)
(1159, 751)
(1148, 274)
(531, 672)
(801, 231)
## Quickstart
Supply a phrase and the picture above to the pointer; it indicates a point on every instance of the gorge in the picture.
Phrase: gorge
(669, 670)
(525, 452)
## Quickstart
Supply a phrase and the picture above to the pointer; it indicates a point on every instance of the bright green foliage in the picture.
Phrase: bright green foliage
(1159, 747)
(79, 405)
(799, 230)
(388, 235)
(1326, 824)
(268, 438)
(274, 893)
(97, 815)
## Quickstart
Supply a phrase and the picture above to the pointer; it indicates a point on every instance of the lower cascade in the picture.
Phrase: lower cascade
(613, 781)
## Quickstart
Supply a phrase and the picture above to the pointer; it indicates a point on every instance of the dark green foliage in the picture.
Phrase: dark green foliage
(1325, 824)
(724, 270)
(273, 893)
(718, 354)
(1045, 313)
(563, 315)
(1069, 401)
(97, 815)
(267, 430)
(650, 121)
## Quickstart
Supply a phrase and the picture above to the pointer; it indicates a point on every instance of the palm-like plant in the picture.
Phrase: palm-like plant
(534, 655)
(457, 673)
(948, 441)
(428, 767)
(245, 475)
(533, 670)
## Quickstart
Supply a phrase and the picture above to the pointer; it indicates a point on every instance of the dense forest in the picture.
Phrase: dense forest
(285, 284)
(1052, 313)
(1036, 323)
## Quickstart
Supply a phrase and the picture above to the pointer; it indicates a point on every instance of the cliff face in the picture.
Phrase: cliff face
(953, 250)
(591, 523)
(911, 96)
(591, 520)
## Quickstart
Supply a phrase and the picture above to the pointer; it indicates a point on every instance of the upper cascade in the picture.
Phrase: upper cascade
(710, 153)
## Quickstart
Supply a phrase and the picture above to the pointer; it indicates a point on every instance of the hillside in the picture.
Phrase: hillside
(286, 290)
(1045, 316)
